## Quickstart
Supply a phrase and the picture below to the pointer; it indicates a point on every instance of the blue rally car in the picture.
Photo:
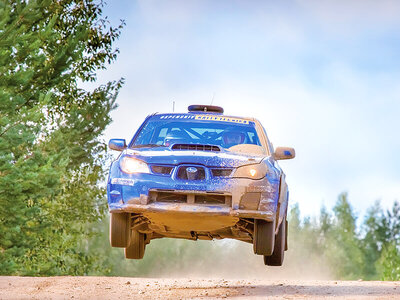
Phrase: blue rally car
(199, 175)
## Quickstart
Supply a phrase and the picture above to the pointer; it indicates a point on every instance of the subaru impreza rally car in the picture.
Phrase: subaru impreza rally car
(199, 175)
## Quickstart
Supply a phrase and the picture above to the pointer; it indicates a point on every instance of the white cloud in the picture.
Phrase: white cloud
(352, 17)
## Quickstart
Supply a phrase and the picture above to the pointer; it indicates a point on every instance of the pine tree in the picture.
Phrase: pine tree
(375, 237)
(388, 264)
(51, 156)
(344, 252)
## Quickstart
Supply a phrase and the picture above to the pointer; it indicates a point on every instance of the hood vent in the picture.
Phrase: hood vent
(196, 147)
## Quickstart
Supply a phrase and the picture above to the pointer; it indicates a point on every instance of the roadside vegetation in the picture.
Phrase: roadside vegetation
(53, 217)
(51, 157)
(369, 251)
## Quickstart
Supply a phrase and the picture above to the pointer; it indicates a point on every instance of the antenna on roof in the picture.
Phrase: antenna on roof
(173, 106)
(212, 100)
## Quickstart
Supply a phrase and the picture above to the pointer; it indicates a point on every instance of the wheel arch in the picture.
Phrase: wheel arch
(282, 202)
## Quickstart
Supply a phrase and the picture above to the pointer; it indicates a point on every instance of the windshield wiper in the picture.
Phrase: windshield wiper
(147, 145)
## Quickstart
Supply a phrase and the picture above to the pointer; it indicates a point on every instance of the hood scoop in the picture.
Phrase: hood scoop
(197, 147)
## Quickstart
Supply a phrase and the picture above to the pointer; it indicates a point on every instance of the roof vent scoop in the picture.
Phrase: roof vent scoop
(206, 108)
(195, 147)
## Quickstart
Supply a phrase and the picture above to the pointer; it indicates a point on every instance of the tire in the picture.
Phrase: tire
(264, 237)
(119, 229)
(276, 259)
(137, 246)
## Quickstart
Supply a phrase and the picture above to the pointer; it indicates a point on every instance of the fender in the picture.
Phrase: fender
(283, 200)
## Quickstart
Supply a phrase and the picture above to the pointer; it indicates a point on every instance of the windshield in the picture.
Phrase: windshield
(167, 130)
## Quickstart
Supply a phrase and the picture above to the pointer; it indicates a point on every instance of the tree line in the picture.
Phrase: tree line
(369, 251)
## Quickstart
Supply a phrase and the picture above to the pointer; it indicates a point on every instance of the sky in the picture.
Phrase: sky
(321, 76)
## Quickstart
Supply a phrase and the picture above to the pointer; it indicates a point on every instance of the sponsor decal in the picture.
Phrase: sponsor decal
(123, 181)
(205, 118)
(166, 117)
(221, 119)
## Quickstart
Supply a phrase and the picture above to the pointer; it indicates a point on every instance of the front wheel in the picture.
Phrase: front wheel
(137, 245)
(263, 238)
(119, 229)
(276, 259)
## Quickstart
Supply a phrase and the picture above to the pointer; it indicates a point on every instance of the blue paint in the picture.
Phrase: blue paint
(287, 153)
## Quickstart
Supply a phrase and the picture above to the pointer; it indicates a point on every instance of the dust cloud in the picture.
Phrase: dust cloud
(228, 259)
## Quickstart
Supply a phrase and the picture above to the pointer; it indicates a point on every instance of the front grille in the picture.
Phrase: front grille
(189, 198)
(171, 197)
(225, 172)
(196, 147)
(209, 199)
(165, 170)
(185, 174)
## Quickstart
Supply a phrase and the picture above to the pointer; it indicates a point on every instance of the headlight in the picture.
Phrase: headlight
(252, 171)
(131, 165)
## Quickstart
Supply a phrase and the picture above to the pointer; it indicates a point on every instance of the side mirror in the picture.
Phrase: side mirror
(117, 144)
(284, 153)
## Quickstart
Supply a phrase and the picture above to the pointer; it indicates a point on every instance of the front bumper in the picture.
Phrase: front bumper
(193, 209)
(132, 193)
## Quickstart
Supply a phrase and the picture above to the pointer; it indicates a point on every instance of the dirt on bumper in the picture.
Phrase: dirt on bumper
(193, 209)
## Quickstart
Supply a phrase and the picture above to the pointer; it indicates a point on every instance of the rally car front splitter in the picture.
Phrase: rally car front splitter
(192, 209)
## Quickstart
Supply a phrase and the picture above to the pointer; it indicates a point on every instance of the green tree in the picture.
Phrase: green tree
(388, 264)
(344, 251)
(325, 221)
(375, 238)
(393, 219)
(51, 156)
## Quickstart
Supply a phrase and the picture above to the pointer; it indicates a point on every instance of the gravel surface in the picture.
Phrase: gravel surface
(183, 288)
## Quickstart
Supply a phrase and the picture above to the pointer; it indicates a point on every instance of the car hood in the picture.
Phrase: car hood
(164, 155)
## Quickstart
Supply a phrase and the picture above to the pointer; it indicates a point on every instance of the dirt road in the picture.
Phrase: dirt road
(151, 288)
